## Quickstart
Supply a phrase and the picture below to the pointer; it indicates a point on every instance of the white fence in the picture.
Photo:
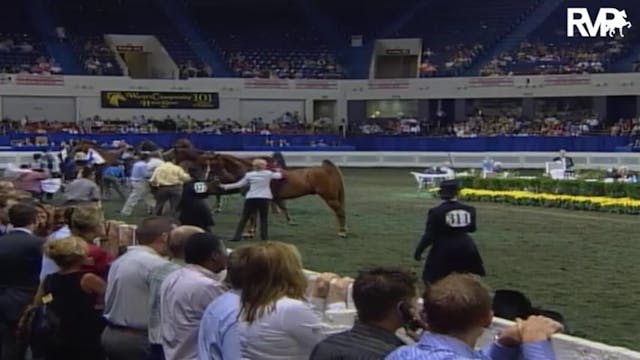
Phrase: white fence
(341, 316)
(419, 160)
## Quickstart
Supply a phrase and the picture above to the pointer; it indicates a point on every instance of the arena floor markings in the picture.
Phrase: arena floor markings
(582, 264)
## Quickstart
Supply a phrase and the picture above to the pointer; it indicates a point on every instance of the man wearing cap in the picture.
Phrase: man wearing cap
(452, 249)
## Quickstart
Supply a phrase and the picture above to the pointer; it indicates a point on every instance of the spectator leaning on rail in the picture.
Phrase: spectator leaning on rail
(218, 337)
(276, 321)
(384, 298)
(457, 309)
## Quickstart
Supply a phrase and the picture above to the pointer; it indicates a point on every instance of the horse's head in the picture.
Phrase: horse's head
(223, 168)
(183, 144)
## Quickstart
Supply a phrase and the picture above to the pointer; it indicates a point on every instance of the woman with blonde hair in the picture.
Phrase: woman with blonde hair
(71, 294)
(257, 199)
(276, 320)
(87, 222)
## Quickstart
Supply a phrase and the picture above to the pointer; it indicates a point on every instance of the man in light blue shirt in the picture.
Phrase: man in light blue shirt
(457, 309)
(218, 338)
(139, 187)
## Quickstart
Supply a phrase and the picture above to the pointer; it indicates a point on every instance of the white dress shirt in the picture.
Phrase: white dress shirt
(152, 164)
(259, 184)
(290, 332)
(127, 296)
(184, 296)
(95, 157)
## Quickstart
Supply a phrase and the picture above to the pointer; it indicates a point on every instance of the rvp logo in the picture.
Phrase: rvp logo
(607, 22)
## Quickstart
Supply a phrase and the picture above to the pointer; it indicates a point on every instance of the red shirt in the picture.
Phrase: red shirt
(98, 260)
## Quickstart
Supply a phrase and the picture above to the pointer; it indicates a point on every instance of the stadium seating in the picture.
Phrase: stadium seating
(309, 38)
(549, 50)
(452, 39)
(99, 17)
(285, 47)
(20, 50)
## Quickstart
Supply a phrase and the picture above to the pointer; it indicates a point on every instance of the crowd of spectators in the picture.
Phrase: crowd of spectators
(452, 60)
(284, 64)
(179, 294)
(625, 127)
(20, 55)
(190, 70)
(509, 124)
(99, 59)
(548, 58)
(26, 125)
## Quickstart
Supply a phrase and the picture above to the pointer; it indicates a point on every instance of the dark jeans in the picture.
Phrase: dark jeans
(251, 207)
(122, 344)
(13, 302)
(157, 353)
(171, 194)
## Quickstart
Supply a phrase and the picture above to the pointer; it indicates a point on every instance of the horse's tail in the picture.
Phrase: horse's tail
(335, 170)
(277, 156)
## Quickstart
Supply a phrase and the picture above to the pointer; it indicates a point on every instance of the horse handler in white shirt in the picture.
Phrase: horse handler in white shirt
(257, 199)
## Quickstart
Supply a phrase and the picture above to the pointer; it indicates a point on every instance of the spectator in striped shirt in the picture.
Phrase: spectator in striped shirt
(378, 294)
(457, 309)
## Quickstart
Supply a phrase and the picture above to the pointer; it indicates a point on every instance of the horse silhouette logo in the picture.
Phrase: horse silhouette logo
(114, 98)
(619, 22)
(609, 22)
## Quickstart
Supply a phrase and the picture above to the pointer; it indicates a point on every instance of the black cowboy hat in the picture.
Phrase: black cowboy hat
(449, 189)
(512, 304)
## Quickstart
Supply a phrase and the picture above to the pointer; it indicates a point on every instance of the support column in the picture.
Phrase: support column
(460, 109)
(528, 108)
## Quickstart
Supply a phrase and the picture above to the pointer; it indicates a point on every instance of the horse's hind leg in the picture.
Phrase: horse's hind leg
(275, 208)
(283, 207)
(341, 217)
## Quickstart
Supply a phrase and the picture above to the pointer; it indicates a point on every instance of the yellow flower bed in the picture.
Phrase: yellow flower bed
(594, 203)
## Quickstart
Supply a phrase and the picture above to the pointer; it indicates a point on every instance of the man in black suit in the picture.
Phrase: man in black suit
(567, 161)
(20, 263)
(452, 249)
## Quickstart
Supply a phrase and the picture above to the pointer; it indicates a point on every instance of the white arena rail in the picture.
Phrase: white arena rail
(419, 160)
(339, 316)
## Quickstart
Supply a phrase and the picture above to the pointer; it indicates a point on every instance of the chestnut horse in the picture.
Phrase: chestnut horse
(324, 180)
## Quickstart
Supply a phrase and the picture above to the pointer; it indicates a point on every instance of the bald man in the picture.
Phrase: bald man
(177, 239)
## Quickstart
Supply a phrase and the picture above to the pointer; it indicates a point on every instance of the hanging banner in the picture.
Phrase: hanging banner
(159, 100)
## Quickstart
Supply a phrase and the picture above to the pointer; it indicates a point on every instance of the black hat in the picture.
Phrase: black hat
(449, 189)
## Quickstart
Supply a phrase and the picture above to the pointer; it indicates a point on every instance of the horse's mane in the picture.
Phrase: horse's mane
(232, 163)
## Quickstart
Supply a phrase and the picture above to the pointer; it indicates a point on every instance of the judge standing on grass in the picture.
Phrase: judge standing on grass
(258, 197)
